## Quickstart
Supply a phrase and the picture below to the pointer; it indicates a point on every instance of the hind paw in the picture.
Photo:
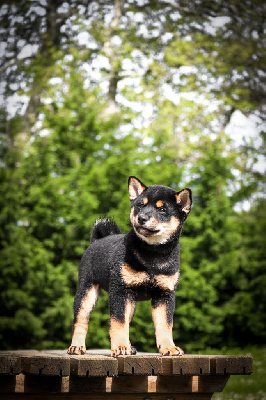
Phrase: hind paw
(76, 350)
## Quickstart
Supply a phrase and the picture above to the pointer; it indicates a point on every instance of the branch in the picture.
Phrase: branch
(163, 4)
(10, 64)
(176, 6)
(14, 62)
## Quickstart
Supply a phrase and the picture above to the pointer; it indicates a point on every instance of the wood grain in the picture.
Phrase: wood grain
(53, 373)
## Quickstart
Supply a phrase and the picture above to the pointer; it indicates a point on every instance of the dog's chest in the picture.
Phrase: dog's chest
(136, 279)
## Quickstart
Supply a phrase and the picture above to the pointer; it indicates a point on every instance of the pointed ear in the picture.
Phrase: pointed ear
(135, 187)
(184, 199)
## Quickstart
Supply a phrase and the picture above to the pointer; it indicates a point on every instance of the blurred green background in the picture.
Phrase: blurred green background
(172, 92)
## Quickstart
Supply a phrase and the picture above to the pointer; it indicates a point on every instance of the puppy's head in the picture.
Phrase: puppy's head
(157, 212)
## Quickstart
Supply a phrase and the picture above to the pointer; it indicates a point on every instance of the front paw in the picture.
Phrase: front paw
(76, 350)
(123, 351)
(171, 351)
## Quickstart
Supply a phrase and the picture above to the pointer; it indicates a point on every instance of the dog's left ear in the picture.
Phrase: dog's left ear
(184, 199)
(135, 187)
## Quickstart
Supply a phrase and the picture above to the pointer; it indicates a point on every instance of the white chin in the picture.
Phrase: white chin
(156, 239)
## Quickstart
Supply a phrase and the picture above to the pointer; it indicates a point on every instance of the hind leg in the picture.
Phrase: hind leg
(84, 302)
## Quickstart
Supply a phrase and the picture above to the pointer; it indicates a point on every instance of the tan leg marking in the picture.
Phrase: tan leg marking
(163, 332)
(131, 277)
(81, 326)
(119, 332)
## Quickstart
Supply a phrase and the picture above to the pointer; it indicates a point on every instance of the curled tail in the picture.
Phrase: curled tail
(104, 227)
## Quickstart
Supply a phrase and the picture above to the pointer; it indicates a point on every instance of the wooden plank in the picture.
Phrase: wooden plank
(42, 384)
(10, 361)
(99, 363)
(130, 384)
(44, 364)
(231, 365)
(10, 364)
(93, 365)
(158, 365)
(191, 365)
(140, 365)
(7, 383)
(191, 384)
(81, 384)
(210, 384)
(174, 384)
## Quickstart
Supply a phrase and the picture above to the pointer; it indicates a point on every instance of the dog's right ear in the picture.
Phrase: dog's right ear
(135, 187)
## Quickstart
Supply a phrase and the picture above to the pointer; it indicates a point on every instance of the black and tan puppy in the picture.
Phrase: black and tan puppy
(141, 265)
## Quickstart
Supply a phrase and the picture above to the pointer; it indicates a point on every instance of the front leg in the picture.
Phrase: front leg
(162, 314)
(121, 312)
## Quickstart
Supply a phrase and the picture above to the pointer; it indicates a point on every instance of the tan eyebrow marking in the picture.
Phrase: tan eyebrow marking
(145, 201)
(159, 203)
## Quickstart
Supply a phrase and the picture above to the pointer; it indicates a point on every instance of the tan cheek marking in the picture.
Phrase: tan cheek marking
(163, 330)
(174, 223)
(132, 277)
(171, 226)
(159, 203)
(153, 221)
(81, 325)
(145, 201)
(166, 282)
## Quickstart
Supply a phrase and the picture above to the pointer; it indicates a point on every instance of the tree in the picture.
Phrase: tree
(245, 309)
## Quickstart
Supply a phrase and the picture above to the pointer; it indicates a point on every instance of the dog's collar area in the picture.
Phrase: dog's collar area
(154, 238)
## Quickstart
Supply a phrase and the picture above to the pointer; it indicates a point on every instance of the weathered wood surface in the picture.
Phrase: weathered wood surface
(100, 363)
(55, 372)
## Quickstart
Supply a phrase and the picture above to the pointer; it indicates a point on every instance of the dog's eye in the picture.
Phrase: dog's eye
(162, 209)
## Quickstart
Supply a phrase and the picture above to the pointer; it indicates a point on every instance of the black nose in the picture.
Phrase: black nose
(142, 218)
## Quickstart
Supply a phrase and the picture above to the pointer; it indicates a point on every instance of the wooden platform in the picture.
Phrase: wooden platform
(54, 374)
